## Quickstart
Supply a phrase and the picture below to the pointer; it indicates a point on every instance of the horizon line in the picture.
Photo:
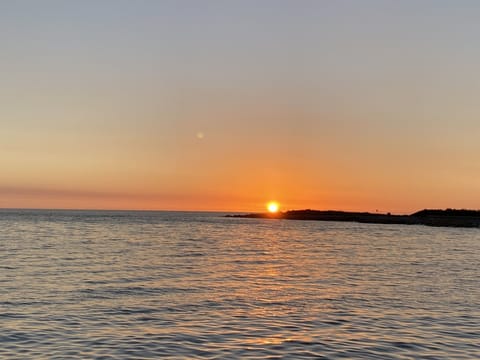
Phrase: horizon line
(216, 211)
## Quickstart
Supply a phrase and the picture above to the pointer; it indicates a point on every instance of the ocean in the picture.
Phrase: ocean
(190, 285)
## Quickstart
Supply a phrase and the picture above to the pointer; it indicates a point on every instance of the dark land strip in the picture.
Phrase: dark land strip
(448, 217)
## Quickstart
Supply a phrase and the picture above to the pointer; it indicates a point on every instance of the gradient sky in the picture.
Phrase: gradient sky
(224, 105)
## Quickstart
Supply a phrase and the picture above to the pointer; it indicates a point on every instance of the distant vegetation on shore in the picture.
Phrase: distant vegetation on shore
(430, 217)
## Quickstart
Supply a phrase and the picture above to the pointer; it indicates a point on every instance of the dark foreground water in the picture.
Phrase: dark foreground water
(118, 285)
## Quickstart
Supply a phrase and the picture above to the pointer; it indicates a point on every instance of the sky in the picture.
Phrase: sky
(225, 105)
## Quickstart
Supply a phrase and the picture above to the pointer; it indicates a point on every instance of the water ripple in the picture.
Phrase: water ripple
(149, 285)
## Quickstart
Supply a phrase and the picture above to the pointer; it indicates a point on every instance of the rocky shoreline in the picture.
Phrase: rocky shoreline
(428, 217)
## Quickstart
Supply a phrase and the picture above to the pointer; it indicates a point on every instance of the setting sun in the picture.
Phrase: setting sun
(272, 207)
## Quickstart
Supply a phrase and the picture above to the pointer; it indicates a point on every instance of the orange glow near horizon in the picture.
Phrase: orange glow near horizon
(222, 125)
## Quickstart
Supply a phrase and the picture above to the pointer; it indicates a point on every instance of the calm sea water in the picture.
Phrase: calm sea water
(145, 285)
